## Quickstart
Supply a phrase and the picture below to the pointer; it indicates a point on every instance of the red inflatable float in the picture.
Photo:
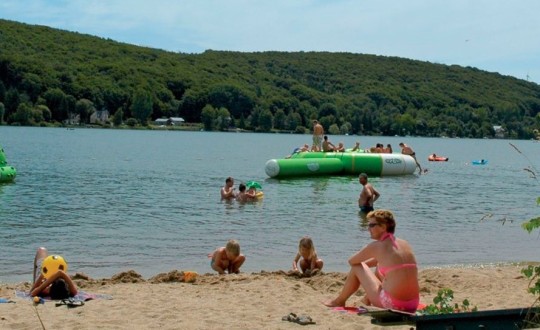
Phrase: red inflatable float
(435, 158)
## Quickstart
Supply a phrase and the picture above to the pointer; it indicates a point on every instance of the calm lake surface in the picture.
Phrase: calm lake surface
(114, 200)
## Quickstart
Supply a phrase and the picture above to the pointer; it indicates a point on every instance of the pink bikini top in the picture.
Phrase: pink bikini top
(385, 270)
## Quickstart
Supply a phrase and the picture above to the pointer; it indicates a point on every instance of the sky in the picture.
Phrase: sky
(493, 35)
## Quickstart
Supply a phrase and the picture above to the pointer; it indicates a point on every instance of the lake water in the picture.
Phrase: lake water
(114, 200)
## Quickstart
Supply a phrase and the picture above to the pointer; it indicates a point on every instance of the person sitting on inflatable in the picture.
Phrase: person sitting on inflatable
(50, 277)
(340, 147)
(356, 147)
(327, 145)
(304, 148)
(251, 194)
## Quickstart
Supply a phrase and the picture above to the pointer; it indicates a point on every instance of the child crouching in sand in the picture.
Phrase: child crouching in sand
(227, 258)
(307, 258)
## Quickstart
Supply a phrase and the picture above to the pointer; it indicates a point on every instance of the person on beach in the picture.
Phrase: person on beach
(307, 258)
(394, 284)
(227, 191)
(227, 258)
(368, 195)
(57, 284)
(318, 132)
(406, 150)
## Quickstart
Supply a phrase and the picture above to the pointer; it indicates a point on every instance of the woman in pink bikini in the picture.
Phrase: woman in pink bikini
(394, 284)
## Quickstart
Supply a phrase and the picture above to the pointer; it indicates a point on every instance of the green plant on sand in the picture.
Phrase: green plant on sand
(442, 304)
(532, 272)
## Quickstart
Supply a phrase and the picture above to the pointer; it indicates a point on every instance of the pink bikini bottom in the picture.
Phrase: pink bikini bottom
(390, 302)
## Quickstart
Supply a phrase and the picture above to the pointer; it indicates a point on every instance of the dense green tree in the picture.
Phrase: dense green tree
(32, 85)
(55, 101)
(114, 98)
(328, 109)
(208, 115)
(253, 119)
(118, 117)
(375, 94)
(43, 112)
(293, 121)
(223, 119)
(346, 128)
(192, 104)
(237, 101)
(84, 108)
(24, 114)
(131, 122)
(279, 119)
(141, 106)
(333, 129)
(2, 112)
(178, 87)
(12, 101)
(241, 122)
(2, 91)
(265, 120)
(69, 105)
(327, 121)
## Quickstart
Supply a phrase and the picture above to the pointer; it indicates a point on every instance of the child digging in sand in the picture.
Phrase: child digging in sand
(307, 258)
(227, 258)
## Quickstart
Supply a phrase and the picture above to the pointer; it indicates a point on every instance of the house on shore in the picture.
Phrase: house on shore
(500, 132)
(171, 121)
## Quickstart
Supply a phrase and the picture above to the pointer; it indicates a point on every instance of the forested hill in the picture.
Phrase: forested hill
(49, 75)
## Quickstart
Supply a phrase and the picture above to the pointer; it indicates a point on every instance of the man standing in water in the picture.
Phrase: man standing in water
(318, 132)
(227, 191)
(406, 150)
(368, 195)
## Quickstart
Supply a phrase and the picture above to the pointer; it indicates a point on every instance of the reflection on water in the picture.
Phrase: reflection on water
(150, 201)
(362, 219)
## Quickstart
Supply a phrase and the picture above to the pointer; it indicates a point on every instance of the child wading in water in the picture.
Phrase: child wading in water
(227, 258)
(307, 258)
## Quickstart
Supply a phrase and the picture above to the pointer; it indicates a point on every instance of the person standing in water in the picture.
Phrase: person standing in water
(368, 195)
(227, 191)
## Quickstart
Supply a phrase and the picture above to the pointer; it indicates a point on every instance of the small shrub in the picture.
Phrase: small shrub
(442, 304)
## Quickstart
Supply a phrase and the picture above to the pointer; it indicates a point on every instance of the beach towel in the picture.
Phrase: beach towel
(81, 296)
(351, 310)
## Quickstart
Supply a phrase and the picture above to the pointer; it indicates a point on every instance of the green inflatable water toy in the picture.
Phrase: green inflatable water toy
(340, 163)
(7, 173)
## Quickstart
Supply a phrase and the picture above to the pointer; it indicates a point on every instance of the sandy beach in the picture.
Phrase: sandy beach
(245, 301)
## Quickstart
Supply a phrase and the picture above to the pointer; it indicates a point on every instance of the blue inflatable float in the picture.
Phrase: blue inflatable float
(480, 162)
